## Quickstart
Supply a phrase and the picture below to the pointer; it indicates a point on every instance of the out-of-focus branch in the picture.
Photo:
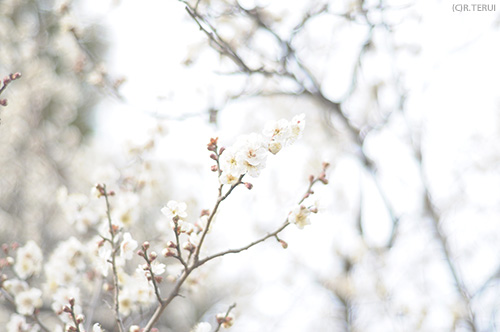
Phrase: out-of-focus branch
(309, 87)
(434, 214)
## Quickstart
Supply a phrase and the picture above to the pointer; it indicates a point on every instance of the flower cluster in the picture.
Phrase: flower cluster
(249, 153)
(106, 219)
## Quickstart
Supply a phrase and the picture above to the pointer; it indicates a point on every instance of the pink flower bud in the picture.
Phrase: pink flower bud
(15, 76)
(213, 156)
(67, 309)
(283, 244)
(248, 185)
(3, 102)
(72, 301)
(145, 245)
(214, 168)
(152, 256)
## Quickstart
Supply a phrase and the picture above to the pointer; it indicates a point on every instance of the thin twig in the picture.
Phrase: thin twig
(114, 249)
(231, 307)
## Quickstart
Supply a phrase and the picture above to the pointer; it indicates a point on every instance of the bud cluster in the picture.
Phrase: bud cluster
(5, 82)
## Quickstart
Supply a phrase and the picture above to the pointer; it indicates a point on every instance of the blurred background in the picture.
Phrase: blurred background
(400, 97)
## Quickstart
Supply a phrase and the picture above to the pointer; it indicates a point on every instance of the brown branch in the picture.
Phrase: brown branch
(114, 248)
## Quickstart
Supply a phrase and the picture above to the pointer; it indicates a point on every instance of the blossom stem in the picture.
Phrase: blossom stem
(113, 263)
(153, 277)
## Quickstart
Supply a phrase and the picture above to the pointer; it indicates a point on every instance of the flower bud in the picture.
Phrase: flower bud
(3, 102)
(134, 328)
(283, 244)
(248, 185)
(214, 168)
(66, 309)
(221, 150)
(152, 256)
(79, 319)
(213, 156)
(188, 246)
(15, 76)
(145, 245)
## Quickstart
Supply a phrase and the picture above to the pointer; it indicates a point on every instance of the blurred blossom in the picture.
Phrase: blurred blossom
(15, 286)
(125, 209)
(28, 301)
(28, 260)
(127, 246)
(17, 323)
(61, 299)
(202, 327)
(97, 328)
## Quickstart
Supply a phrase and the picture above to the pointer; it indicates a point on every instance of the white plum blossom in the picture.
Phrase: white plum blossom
(202, 327)
(229, 162)
(61, 299)
(62, 296)
(127, 303)
(249, 153)
(17, 323)
(77, 209)
(297, 126)
(28, 260)
(127, 246)
(299, 216)
(175, 209)
(28, 301)
(65, 266)
(15, 286)
(278, 132)
(228, 178)
(104, 252)
(283, 133)
(97, 328)
(158, 268)
(125, 212)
